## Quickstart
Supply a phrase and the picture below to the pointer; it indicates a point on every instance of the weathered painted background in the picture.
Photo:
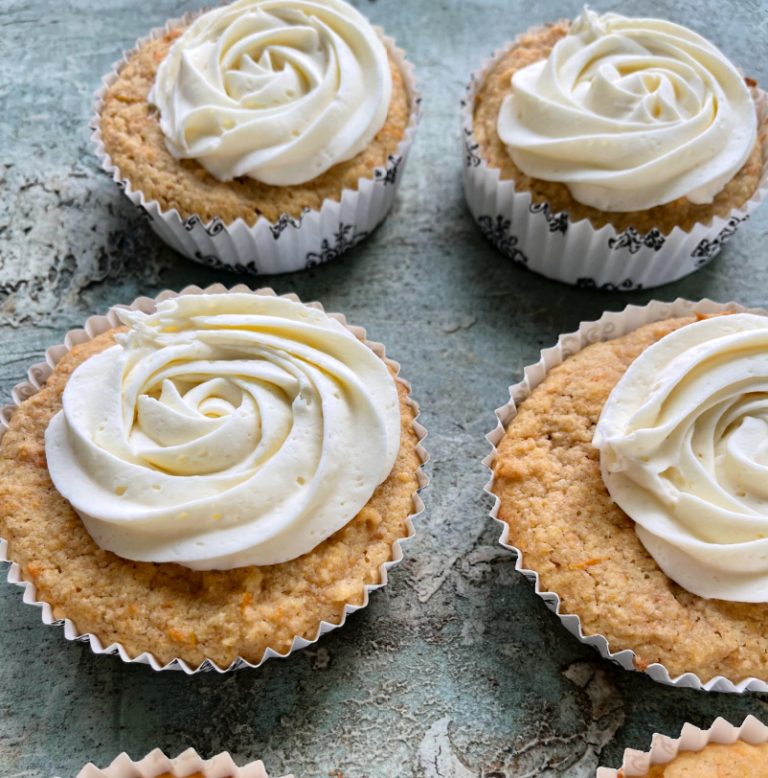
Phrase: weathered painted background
(456, 669)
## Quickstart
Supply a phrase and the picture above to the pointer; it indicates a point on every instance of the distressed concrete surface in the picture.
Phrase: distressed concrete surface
(456, 669)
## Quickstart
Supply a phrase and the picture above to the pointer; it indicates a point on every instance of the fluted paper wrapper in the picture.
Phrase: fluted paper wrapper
(290, 243)
(575, 252)
(190, 762)
(609, 326)
(664, 749)
(95, 325)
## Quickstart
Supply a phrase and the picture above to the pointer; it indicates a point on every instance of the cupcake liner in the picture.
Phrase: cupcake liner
(156, 763)
(608, 326)
(574, 252)
(664, 749)
(95, 325)
(290, 243)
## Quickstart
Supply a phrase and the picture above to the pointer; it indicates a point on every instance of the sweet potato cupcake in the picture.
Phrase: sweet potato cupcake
(613, 152)
(267, 135)
(722, 751)
(627, 471)
(208, 480)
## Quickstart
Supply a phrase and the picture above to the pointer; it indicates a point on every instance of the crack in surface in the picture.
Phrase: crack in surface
(48, 272)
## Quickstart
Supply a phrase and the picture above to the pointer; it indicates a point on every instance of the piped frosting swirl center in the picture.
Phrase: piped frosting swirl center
(630, 114)
(683, 442)
(276, 90)
(223, 431)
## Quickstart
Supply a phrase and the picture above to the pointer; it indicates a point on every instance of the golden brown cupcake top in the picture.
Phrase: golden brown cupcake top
(715, 760)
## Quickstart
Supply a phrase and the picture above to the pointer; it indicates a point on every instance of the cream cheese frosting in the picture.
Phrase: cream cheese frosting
(630, 114)
(224, 430)
(683, 442)
(277, 90)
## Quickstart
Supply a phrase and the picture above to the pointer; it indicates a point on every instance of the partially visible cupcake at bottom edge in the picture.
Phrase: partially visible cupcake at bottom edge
(187, 765)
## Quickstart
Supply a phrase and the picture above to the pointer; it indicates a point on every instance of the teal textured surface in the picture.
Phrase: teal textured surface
(456, 668)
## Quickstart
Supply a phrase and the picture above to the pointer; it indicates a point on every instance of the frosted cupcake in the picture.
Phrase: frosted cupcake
(629, 476)
(210, 482)
(613, 152)
(722, 751)
(265, 134)
(187, 765)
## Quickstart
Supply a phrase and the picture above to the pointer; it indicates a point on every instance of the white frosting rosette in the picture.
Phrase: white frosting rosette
(152, 422)
(280, 90)
(629, 114)
(277, 90)
(224, 431)
(683, 441)
(731, 442)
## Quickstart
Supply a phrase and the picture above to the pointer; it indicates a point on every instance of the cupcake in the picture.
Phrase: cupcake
(263, 135)
(613, 152)
(187, 765)
(722, 751)
(209, 480)
(628, 471)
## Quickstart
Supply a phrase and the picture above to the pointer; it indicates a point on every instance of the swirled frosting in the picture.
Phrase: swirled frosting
(224, 430)
(630, 114)
(277, 90)
(683, 442)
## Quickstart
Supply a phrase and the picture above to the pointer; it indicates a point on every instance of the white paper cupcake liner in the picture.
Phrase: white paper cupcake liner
(290, 243)
(664, 749)
(95, 325)
(156, 763)
(574, 252)
(608, 326)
